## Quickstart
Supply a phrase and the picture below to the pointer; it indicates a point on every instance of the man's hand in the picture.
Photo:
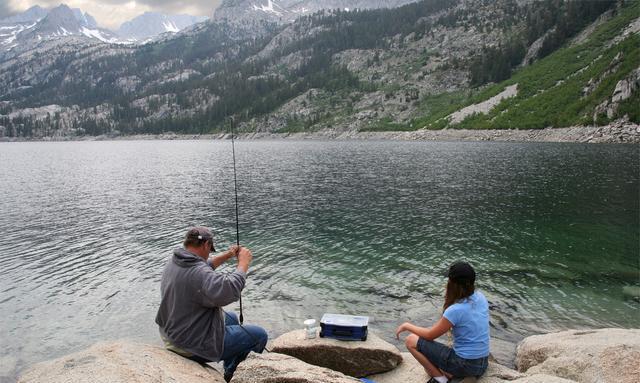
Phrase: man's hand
(244, 258)
(232, 252)
(227, 255)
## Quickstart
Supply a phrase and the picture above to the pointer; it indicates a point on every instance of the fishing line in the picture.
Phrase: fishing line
(235, 190)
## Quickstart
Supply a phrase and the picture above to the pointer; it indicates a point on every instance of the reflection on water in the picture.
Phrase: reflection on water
(351, 227)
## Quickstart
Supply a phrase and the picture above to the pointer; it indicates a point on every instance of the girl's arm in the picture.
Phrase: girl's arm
(431, 333)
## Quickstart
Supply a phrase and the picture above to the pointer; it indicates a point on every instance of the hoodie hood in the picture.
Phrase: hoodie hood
(185, 258)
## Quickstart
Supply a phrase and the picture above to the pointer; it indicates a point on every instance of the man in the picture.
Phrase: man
(192, 322)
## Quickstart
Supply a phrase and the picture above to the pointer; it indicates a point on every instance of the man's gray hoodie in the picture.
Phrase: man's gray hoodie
(190, 314)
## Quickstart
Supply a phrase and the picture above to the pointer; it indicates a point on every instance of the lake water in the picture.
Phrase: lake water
(343, 226)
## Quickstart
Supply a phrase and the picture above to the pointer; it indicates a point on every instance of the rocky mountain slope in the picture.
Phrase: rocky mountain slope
(287, 11)
(432, 64)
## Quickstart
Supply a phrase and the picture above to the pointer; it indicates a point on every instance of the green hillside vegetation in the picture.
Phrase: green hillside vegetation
(555, 21)
(550, 90)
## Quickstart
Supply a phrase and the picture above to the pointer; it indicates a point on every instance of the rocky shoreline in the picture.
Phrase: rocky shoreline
(620, 132)
(573, 356)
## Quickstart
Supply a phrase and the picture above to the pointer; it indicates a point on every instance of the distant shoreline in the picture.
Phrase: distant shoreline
(620, 132)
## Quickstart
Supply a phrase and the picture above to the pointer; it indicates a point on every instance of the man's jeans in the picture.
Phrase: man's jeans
(239, 341)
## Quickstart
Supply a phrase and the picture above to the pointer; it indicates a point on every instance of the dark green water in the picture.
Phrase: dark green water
(348, 227)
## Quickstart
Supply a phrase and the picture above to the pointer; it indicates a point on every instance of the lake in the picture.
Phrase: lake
(355, 227)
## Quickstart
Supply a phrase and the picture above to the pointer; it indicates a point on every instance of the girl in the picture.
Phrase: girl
(466, 313)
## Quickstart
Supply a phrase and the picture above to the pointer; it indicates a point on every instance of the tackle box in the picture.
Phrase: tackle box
(344, 327)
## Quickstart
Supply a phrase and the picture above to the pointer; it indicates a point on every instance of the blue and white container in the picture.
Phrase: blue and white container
(344, 327)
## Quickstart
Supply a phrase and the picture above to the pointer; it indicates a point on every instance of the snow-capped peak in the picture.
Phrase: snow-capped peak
(58, 22)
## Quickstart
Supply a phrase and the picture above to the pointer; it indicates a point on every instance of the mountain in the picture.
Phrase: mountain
(32, 14)
(64, 21)
(428, 65)
(149, 25)
(286, 11)
(37, 24)
(84, 18)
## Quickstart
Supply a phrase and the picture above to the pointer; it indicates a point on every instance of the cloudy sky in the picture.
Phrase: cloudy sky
(112, 13)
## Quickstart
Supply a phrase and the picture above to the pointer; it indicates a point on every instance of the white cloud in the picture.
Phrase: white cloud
(111, 13)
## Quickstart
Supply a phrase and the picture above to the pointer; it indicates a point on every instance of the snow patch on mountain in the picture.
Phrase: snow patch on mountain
(170, 26)
(301, 10)
(150, 25)
(97, 34)
(270, 8)
(9, 33)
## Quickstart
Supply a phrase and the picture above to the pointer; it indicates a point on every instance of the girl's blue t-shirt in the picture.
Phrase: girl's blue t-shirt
(470, 320)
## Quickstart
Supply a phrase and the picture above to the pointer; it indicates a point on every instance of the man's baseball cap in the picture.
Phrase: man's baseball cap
(461, 271)
(201, 233)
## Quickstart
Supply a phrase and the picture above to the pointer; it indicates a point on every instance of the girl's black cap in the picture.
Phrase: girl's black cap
(462, 271)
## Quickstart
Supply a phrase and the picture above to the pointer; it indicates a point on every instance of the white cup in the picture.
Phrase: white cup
(310, 328)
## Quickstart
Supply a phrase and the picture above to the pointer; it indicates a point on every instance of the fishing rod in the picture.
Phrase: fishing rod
(235, 190)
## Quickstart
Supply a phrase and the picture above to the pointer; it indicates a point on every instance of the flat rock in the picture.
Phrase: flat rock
(121, 361)
(353, 358)
(409, 371)
(541, 378)
(590, 356)
(503, 351)
(279, 368)
(497, 373)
